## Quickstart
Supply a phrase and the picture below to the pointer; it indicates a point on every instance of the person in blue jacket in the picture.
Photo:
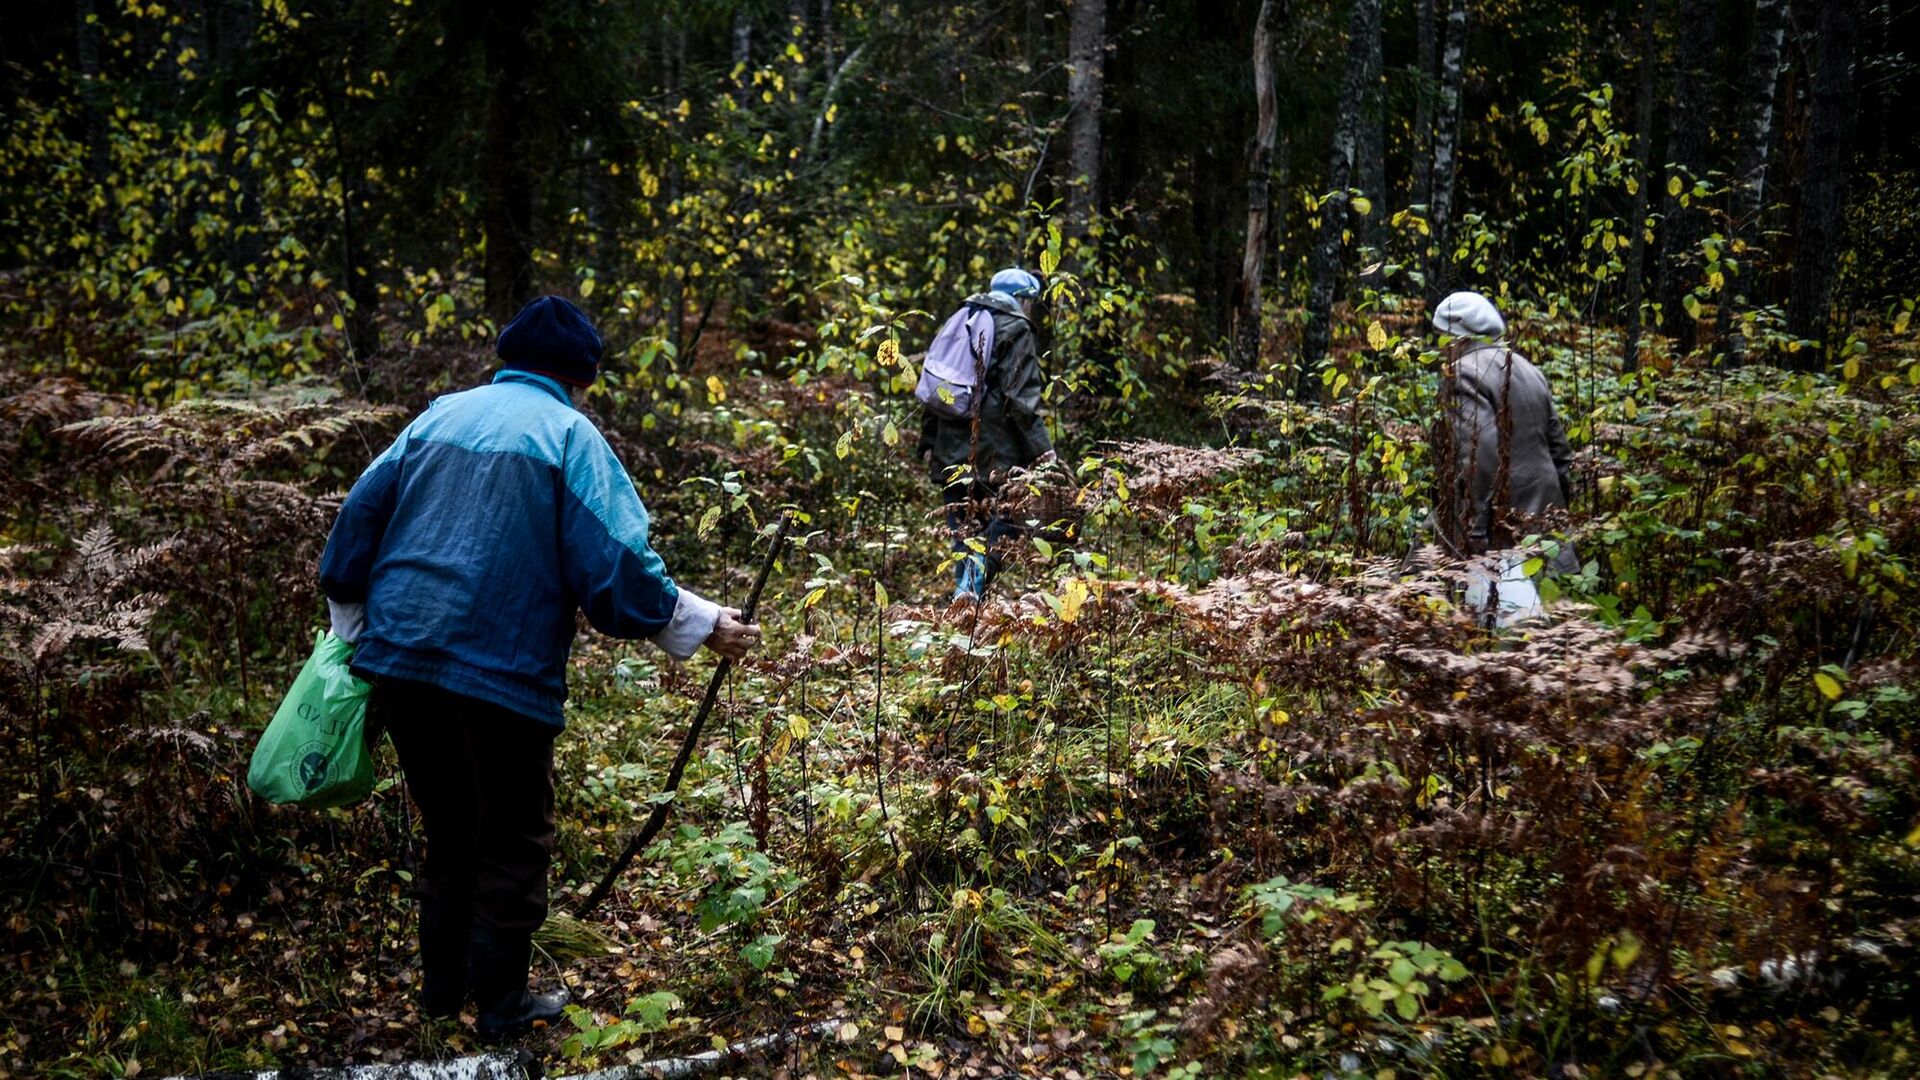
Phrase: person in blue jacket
(456, 566)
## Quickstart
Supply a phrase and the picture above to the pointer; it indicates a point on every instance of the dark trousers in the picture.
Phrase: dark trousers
(970, 517)
(483, 779)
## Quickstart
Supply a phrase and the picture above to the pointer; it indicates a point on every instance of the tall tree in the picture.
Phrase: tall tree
(1425, 60)
(1749, 194)
(506, 170)
(1689, 147)
(1823, 183)
(1446, 140)
(1363, 25)
(1086, 52)
(1633, 280)
(1372, 146)
(1259, 194)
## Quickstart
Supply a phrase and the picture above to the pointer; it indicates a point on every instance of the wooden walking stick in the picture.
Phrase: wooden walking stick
(662, 806)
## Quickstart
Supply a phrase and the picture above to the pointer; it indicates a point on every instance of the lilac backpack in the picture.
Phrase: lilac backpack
(956, 363)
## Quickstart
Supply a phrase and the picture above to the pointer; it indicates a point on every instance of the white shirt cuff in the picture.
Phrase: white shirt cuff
(693, 620)
(348, 620)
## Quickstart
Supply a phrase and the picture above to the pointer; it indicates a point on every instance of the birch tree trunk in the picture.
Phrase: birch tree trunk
(1363, 25)
(1688, 149)
(1634, 279)
(1823, 185)
(1247, 327)
(742, 38)
(1446, 140)
(1749, 194)
(1086, 52)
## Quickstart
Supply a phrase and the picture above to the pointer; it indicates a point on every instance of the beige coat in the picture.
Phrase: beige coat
(1493, 392)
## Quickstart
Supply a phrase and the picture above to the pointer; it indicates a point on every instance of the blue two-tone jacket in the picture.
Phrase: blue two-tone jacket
(473, 539)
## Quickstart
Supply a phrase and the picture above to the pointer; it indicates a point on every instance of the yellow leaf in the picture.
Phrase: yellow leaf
(1626, 950)
(895, 1033)
(1072, 599)
(716, 390)
(1376, 336)
(1362, 205)
(890, 434)
(586, 288)
(1829, 686)
(1673, 186)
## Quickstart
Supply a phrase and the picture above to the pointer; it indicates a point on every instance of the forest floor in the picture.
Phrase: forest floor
(1211, 787)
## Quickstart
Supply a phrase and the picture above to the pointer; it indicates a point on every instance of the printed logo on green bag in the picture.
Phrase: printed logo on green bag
(313, 767)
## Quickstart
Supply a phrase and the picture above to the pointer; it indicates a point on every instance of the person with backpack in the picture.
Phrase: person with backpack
(1511, 462)
(456, 566)
(980, 393)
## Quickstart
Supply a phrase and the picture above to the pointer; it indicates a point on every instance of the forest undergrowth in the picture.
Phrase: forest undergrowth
(1216, 783)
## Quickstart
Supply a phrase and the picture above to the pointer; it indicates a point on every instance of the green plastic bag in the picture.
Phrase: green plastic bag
(315, 750)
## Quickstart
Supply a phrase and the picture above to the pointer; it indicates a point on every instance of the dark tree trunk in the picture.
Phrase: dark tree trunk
(1688, 149)
(829, 61)
(1446, 141)
(1363, 26)
(1372, 149)
(1425, 62)
(1823, 186)
(1086, 53)
(1259, 196)
(1749, 194)
(1633, 281)
(87, 46)
(506, 170)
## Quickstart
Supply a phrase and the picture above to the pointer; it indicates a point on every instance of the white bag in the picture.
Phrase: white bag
(1517, 597)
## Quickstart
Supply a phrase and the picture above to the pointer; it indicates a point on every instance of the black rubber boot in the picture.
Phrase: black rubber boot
(445, 931)
(507, 1010)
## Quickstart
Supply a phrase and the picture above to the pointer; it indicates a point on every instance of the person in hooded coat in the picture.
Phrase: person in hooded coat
(1012, 434)
(1512, 465)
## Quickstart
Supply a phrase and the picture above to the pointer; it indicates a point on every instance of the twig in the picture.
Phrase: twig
(663, 804)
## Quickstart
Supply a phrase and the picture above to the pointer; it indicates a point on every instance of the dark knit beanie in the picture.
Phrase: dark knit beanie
(552, 337)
